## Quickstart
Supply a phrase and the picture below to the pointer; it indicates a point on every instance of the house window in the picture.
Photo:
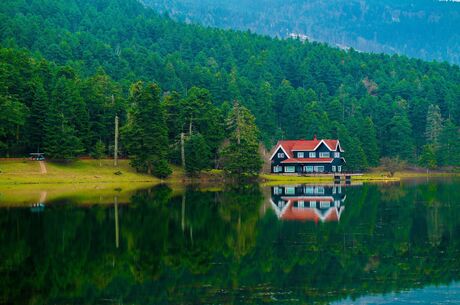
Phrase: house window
(289, 169)
(333, 168)
(300, 155)
(308, 168)
(281, 155)
(312, 155)
(324, 204)
(339, 168)
(290, 191)
(319, 190)
(309, 190)
(277, 190)
(336, 154)
(300, 204)
(277, 169)
(319, 169)
(324, 154)
(313, 204)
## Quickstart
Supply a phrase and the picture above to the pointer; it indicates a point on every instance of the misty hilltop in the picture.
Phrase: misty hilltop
(423, 29)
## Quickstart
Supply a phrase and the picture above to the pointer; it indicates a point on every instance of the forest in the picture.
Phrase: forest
(67, 68)
(425, 29)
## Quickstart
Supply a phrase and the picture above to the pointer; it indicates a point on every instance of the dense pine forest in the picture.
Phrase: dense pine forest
(425, 29)
(67, 68)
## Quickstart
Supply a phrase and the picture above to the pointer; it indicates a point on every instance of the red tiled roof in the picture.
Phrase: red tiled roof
(306, 145)
(308, 160)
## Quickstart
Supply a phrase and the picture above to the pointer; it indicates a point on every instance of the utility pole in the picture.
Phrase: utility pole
(182, 149)
(115, 150)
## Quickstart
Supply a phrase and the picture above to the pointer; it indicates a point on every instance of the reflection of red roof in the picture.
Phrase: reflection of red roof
(306, 145)
(289, 212)
(310, 214)
(308, 160)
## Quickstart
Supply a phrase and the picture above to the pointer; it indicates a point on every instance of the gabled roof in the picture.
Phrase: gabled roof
(289, 146)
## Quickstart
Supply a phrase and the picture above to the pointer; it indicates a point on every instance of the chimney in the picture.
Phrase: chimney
(314, 137)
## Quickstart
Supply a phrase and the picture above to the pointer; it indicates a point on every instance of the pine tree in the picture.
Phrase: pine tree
(38, 113)
(99, 151)
(428, 157)
(66, 94)
(368, 138)
(241, 156)
(60, 141)
(198, 114)
(354, 153)
(314, 121)
(400, 142)
(448, 153)
(197, 154)
(146, 135)
(433, 125)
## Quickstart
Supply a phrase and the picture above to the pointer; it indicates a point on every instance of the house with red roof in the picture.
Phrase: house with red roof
(307, 157)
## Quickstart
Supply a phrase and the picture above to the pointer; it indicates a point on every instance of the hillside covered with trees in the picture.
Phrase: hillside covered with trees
(68, 67)
(425, 29)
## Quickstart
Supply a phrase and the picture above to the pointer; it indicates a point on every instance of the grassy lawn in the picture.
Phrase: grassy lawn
(80, 171)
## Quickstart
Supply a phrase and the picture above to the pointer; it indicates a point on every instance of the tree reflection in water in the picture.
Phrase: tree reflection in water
(216, 247)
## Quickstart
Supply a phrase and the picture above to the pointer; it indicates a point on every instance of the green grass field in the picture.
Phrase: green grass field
(81, 171)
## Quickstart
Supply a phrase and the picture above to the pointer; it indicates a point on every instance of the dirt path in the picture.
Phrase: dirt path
(42, 167)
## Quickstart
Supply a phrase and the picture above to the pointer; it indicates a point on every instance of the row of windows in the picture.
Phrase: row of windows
(312, 204)
(309, 190)
(311, 155)
(325, 154)
(306, 169)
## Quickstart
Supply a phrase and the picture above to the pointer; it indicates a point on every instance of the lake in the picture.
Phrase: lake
(393, 243)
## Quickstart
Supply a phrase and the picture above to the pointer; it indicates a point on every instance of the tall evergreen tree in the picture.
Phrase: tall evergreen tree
(198, 114)
(38, 112)
(146, 135)
(448, 153)
(60, 140)
(197, 154)
(400, 141)
(427, 157)
(354, 153)
(368, 138)
(241, 156)
(66, 95)
(433, 125)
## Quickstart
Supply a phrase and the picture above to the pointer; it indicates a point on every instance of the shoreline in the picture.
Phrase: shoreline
(26, 172)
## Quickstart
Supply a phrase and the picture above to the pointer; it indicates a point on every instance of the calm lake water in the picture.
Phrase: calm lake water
(292, 244)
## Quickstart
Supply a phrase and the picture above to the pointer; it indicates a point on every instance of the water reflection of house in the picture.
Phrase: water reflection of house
(308, 202)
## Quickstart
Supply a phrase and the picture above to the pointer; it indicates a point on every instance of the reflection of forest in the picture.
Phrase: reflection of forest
(216, 247)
